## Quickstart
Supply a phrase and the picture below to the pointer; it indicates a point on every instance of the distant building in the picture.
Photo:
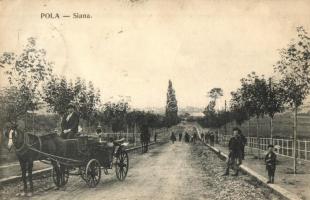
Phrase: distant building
(197, 114)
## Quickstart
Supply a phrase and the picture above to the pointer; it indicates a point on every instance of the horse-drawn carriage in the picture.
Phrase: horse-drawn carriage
(86, 156)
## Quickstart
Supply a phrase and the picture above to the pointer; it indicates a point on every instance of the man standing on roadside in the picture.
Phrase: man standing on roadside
(234, 156)
(243, 142)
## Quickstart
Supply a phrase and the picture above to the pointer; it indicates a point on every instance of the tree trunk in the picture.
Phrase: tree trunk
(249, 144)
(271, 129)
(294, 139)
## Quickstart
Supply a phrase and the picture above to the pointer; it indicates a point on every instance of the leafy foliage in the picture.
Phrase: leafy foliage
(114, 115)
(59, 93)
(294, 69)
(215, 93)
(25, 74)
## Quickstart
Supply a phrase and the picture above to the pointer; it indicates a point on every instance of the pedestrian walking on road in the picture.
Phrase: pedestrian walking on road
(211, 139)
(186, 137)
(195, 136)
(173, 138)
(155, 137)
(206, 137)
(202, 137)
(234, 156)
(180, 136)
(270, 161)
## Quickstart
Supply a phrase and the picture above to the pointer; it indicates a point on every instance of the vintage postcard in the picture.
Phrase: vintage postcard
(155, 99)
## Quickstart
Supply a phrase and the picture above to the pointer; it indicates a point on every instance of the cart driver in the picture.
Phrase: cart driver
(70, 123)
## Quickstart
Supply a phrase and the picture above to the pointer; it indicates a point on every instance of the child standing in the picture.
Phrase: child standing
(270, 160)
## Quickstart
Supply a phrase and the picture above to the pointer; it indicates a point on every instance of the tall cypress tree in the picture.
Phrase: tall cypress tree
(171, 107)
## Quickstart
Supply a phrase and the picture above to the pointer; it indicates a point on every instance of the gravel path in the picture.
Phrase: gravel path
(171, 171)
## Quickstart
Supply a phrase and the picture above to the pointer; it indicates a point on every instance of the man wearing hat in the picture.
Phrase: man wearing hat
(270, 161)
(70, 123)
(234, 156)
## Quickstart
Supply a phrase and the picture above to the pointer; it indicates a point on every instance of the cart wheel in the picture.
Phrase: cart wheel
(121, 165)
(60, 175)
(93, 173)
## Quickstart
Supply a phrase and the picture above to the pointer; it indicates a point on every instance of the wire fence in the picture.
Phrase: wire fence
(284, 147)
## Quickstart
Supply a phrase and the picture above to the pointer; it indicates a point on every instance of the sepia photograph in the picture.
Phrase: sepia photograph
(155, 99)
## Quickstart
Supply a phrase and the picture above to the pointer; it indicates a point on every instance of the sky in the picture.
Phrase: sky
(132, 48)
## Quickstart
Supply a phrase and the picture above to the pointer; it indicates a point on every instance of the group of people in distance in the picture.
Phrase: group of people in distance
(209, 137)
(187, 137)
(236, 155)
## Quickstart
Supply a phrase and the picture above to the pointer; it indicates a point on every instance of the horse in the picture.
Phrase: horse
(24, 144)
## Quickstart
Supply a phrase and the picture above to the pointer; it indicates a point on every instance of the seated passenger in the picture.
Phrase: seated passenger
(70, 123)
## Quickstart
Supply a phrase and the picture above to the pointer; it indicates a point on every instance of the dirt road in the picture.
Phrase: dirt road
(170, 171)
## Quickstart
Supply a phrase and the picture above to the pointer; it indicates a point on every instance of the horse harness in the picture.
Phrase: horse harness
(26, 146)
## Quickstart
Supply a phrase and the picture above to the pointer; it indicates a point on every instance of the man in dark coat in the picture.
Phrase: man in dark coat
(180, 136)
(195, 137)
(234, 156)
(173, 138)
(202, 137)
(186, 137)
(206, 137)
(270, 160)
(70, 123)
(243, 142)
(211, 136)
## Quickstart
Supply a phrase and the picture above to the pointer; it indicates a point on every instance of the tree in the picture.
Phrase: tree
(294, 71)
(25, 73)
(58, 94)
(210, 108)
(171, 107)
(87, 101)
(114, 115)
(239, 111)
(215, 93)
(274, 102)
(254, 96)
